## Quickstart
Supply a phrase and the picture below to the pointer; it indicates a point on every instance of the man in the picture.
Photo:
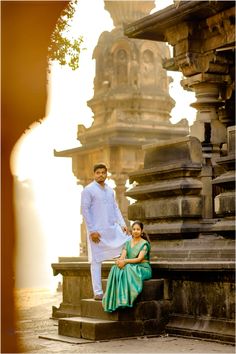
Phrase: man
(106, 228)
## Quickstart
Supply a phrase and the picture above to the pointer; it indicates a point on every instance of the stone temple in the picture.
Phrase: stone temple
(184, 188)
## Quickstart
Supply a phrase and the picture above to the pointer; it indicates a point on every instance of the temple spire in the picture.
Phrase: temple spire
(124, 12)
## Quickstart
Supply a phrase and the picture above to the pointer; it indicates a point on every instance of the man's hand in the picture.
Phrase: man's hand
(95, 237)
(125, 229)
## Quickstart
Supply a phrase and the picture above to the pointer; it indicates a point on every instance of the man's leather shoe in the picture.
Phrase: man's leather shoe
(98, 297)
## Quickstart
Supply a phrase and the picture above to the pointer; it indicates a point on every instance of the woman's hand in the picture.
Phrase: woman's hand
(120, 263)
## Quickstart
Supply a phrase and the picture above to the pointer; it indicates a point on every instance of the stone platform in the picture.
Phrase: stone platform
(185, 290)
(148, 316)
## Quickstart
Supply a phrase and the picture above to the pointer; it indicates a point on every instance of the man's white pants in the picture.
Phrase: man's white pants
(96, 275)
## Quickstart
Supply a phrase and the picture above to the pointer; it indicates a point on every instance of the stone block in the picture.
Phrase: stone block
(147, 310)
(225, 203)
(140, 311)
(76, 286)
(167, 208)
(93, 309)
(109, 330)
(186, 149)
(98, 329)
(231, 139)
(225, 227)
(225, 180)
(173, 229)
(66, 310)
(70, 328)
(153, 289)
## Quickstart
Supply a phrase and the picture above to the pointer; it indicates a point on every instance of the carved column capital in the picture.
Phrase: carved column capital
(178, 33)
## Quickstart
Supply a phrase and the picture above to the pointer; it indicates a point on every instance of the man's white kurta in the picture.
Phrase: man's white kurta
(101, 214)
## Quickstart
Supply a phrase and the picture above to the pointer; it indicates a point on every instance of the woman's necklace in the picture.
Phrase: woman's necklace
(135, 241)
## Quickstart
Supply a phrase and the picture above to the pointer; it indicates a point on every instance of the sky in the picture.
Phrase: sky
(55, 192)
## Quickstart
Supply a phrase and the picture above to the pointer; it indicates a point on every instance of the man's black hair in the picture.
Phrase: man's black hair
(99, 165)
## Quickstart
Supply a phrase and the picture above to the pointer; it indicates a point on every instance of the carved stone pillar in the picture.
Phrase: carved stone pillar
(207, 127)
(120, 189)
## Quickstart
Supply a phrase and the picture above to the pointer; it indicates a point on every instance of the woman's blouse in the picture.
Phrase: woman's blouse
(133, 252)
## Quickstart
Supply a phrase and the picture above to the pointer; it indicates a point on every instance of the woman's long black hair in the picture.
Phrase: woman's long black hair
(144, 235)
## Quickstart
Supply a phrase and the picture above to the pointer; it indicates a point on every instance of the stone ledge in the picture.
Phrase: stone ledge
(195, 265)
(177, 186)
(165, 265)
(180, 168)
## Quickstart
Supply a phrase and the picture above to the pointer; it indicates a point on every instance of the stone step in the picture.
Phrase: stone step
(98, 329)
(153, 289)
(142, 310)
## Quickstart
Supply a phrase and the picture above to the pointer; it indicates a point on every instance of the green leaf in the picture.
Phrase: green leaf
(62, 49)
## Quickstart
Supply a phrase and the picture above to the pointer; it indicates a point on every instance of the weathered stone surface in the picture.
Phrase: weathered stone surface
(165, 171)
(209, 329)
(93, 309)
(142, 310)
(154, 326)
(173, 229)
(177, 186)
(226, 227)
(70, 328)
(98, 329)
(225, 203)
(148, 316)
(210, 248)
(167, 208)
(76, 286)
(66, 310)
(186, 149)
(225, 180)
(231, 139)
(152, 290)
(204, 299)
(106, 330)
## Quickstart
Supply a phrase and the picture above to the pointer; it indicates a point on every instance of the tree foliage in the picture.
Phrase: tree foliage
(63, 49)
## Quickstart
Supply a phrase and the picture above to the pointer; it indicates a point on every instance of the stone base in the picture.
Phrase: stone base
(210, 329)
(98, 329)
(65, 311)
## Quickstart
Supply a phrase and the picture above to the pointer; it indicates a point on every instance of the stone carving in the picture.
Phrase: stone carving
(121, 67)
(148, 68)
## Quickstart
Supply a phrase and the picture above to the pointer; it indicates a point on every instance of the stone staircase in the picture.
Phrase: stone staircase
(148, 316)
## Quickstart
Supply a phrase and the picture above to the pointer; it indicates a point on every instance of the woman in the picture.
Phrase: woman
(125, 281)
